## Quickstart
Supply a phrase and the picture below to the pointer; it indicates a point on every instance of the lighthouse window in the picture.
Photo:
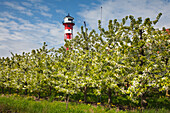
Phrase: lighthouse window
(68, 25)
(68, 29)
(70, 19)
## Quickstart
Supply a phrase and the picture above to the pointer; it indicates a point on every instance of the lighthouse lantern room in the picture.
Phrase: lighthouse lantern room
(68, 23)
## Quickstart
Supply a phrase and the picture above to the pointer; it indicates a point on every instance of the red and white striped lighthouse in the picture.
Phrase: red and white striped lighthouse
(68, 23)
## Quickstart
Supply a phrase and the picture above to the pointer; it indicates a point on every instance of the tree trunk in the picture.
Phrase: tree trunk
(67, 100)
(166, 62)
(67, 97)
(167, 94)
(2, 90)
(9, 89)
(39, 94)
(85, 94)
(17, 91)
(109, 97)
(50, 88)
(141, 101)
(26, 90)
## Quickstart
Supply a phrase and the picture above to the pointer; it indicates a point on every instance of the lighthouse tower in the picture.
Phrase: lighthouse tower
(68, 23)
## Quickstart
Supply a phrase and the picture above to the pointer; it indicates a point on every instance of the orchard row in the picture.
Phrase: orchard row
(130, 60)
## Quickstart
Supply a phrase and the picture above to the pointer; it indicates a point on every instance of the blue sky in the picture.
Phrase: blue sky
(26, 24)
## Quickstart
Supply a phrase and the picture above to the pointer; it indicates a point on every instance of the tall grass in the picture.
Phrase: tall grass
(21, 104)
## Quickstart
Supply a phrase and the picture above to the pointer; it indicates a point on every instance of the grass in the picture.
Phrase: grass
(22, 104)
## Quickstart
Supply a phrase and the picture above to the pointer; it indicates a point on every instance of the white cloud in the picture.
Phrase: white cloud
(46, 14)
(4, 33)
(14, 6)
(27, 12)
(7, 16)
(26, 4)
(25, 36)
(117, 9)
(19, 8)
(16, 46)
(42, 7)
(35, 1)
(84, 6)
(60, 11)
(3, 19)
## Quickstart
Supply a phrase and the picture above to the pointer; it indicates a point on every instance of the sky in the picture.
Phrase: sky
(26, 24)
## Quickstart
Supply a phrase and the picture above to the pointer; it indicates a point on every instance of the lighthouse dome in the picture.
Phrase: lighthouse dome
(68, 19)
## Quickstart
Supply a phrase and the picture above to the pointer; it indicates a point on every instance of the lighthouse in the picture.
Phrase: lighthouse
(68, 23)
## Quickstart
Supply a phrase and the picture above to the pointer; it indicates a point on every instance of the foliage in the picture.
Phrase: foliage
(125, 60)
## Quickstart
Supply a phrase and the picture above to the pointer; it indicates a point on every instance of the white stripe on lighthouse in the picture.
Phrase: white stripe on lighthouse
(68, 31)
